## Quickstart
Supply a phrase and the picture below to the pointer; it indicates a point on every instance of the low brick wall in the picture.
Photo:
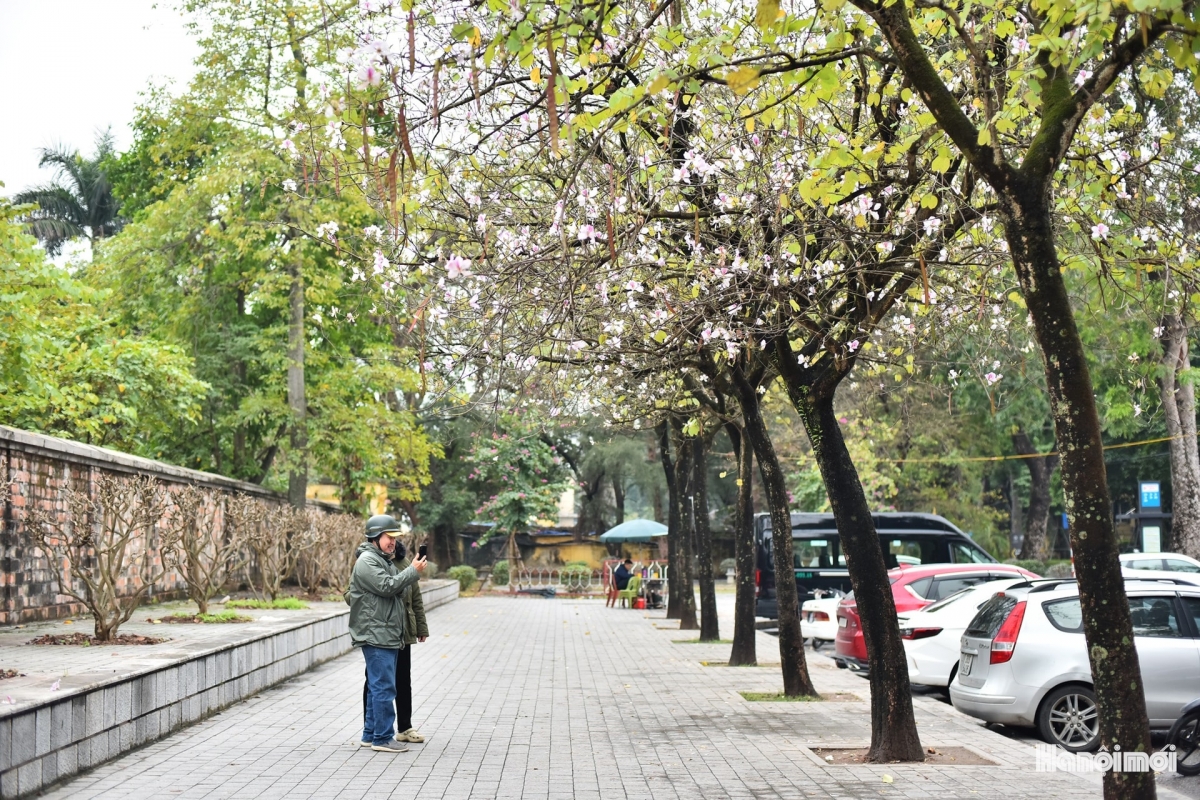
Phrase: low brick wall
(57, 739)
(39, 469)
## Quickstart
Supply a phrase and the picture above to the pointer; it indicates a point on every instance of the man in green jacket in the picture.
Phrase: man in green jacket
(377, 622)
(416, 629)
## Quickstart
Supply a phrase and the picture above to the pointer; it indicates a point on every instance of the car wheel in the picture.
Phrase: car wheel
(1185, 735)
(816, 644)
(1069, 718)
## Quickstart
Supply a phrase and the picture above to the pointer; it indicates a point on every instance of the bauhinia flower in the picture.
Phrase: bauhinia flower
(457, 267)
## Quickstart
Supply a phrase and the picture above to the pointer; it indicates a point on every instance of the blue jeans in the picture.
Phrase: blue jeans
(381, 694)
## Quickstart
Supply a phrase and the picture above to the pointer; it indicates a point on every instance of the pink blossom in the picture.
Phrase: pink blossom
(992, 378)
(457, 267)
(1100, 231)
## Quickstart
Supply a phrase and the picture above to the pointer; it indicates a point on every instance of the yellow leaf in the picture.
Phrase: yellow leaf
(887, 778)
(535, 74)
(766, 13)
(742, 79)
(749, 124)
(658, 84)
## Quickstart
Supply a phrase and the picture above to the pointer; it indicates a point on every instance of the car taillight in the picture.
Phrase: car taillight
(919, 633)
(820, 616)
(758, 583)
(1006, 638)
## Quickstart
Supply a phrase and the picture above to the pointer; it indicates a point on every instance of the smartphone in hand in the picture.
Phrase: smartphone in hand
(422, 551)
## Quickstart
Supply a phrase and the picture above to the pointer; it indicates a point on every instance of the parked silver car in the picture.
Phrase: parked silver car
(1023, 659)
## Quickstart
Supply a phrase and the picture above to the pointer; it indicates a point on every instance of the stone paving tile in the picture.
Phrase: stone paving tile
(546, 699)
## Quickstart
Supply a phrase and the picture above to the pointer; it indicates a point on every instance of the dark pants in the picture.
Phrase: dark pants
(403, 690)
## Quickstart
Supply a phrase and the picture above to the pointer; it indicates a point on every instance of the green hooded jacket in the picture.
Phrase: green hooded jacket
(376, 597)
(415, 625)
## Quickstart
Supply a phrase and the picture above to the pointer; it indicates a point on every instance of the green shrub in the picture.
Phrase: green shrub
(575, 575)
(500, 574)
(289, 603)
(728, 565)
(465, 575)
(431, 570)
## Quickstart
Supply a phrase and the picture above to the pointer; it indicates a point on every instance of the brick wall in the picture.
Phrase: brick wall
(39, 469)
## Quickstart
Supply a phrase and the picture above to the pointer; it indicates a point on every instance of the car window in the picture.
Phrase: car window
(1179, 565)
(1154, 616)
(949, 599)
(1145, 563)
(1066, 615)
(1192, 606)
(963, 553)
(991, 616)
(812, 553)
(921, 588)
(914, 549)
(944, 587)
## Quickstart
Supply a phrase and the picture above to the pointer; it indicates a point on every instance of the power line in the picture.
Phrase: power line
(957, 459)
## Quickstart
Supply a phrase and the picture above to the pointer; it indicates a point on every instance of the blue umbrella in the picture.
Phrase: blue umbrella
(635, 530)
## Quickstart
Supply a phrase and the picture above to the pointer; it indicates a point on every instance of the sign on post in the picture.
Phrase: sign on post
(1149, 496)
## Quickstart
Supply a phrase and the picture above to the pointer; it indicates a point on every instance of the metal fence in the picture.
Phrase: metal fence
(567, 580)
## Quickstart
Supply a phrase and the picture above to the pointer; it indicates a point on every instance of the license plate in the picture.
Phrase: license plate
(967, 661)
(841, 622)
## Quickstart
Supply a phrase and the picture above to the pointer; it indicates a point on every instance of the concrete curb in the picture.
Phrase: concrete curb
(57, 739)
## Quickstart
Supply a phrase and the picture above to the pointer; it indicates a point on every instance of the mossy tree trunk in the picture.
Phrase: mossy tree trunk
(796, 680)
(686, 531)
(674, 522)
(709, 626)
(743, 651)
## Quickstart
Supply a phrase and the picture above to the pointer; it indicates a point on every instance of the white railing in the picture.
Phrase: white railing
(569, 580)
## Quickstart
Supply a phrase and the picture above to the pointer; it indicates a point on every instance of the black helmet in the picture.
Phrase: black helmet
(381, 524)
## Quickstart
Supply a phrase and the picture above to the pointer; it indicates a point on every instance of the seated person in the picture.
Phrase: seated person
(621, 576)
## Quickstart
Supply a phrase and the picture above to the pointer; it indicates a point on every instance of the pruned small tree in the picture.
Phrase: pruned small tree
(282, 536)
(199, 545)
(104, 546)
(327, 564)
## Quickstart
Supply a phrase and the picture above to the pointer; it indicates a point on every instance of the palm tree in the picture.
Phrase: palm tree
(79, 202)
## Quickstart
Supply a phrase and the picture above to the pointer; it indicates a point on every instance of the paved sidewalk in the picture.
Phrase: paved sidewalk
(533, 698)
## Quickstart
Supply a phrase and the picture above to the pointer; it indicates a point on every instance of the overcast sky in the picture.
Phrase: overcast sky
(69, 68)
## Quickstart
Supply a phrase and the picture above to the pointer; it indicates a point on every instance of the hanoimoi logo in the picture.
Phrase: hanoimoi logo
(1052, 758)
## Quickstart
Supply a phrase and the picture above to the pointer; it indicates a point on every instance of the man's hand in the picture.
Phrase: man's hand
(420, 563)
(422, 638)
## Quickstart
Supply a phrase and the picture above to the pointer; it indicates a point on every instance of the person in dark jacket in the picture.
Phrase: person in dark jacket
(416, 629)
(377, 622)
(621, 576)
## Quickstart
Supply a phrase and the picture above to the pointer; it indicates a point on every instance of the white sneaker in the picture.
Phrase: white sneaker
(410, 735)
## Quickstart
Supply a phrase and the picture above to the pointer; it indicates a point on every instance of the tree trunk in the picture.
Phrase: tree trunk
(1037, 519)
(1179, 405)
(796, 680)
(1016, 515)
(893, 724)
(743, 653)
(1107, 627)
(709, 627)
(673, 521)
(618, 486)
(687, 531)
(297, 402)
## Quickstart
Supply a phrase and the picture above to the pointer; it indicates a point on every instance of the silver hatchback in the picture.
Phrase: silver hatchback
(1024, 661)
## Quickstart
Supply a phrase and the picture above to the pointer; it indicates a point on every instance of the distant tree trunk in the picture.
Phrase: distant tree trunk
(674, 522)
(618, 487)
(796, 680)
(1179, 405)
(743, 651)
(687, 530)
(893, 723)
(239, 374)
(1041, 469)
(1016, 514)
(709, 626)
(297, 402)
(441, 545)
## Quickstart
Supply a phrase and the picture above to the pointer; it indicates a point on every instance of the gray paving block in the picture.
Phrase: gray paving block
(8, 783)
(68, 760)
(50, 771)
(5, 743)
(29, 777)
(61, 720)
(45, 731)
(145, 694)
(24, 738)
(122, 698)
(168, 687)
(93, 715)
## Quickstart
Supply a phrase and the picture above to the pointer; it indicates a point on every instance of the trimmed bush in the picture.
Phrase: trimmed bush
(465, 575)
(500, 574)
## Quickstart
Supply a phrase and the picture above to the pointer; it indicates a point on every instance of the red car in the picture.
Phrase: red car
(913, 588)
